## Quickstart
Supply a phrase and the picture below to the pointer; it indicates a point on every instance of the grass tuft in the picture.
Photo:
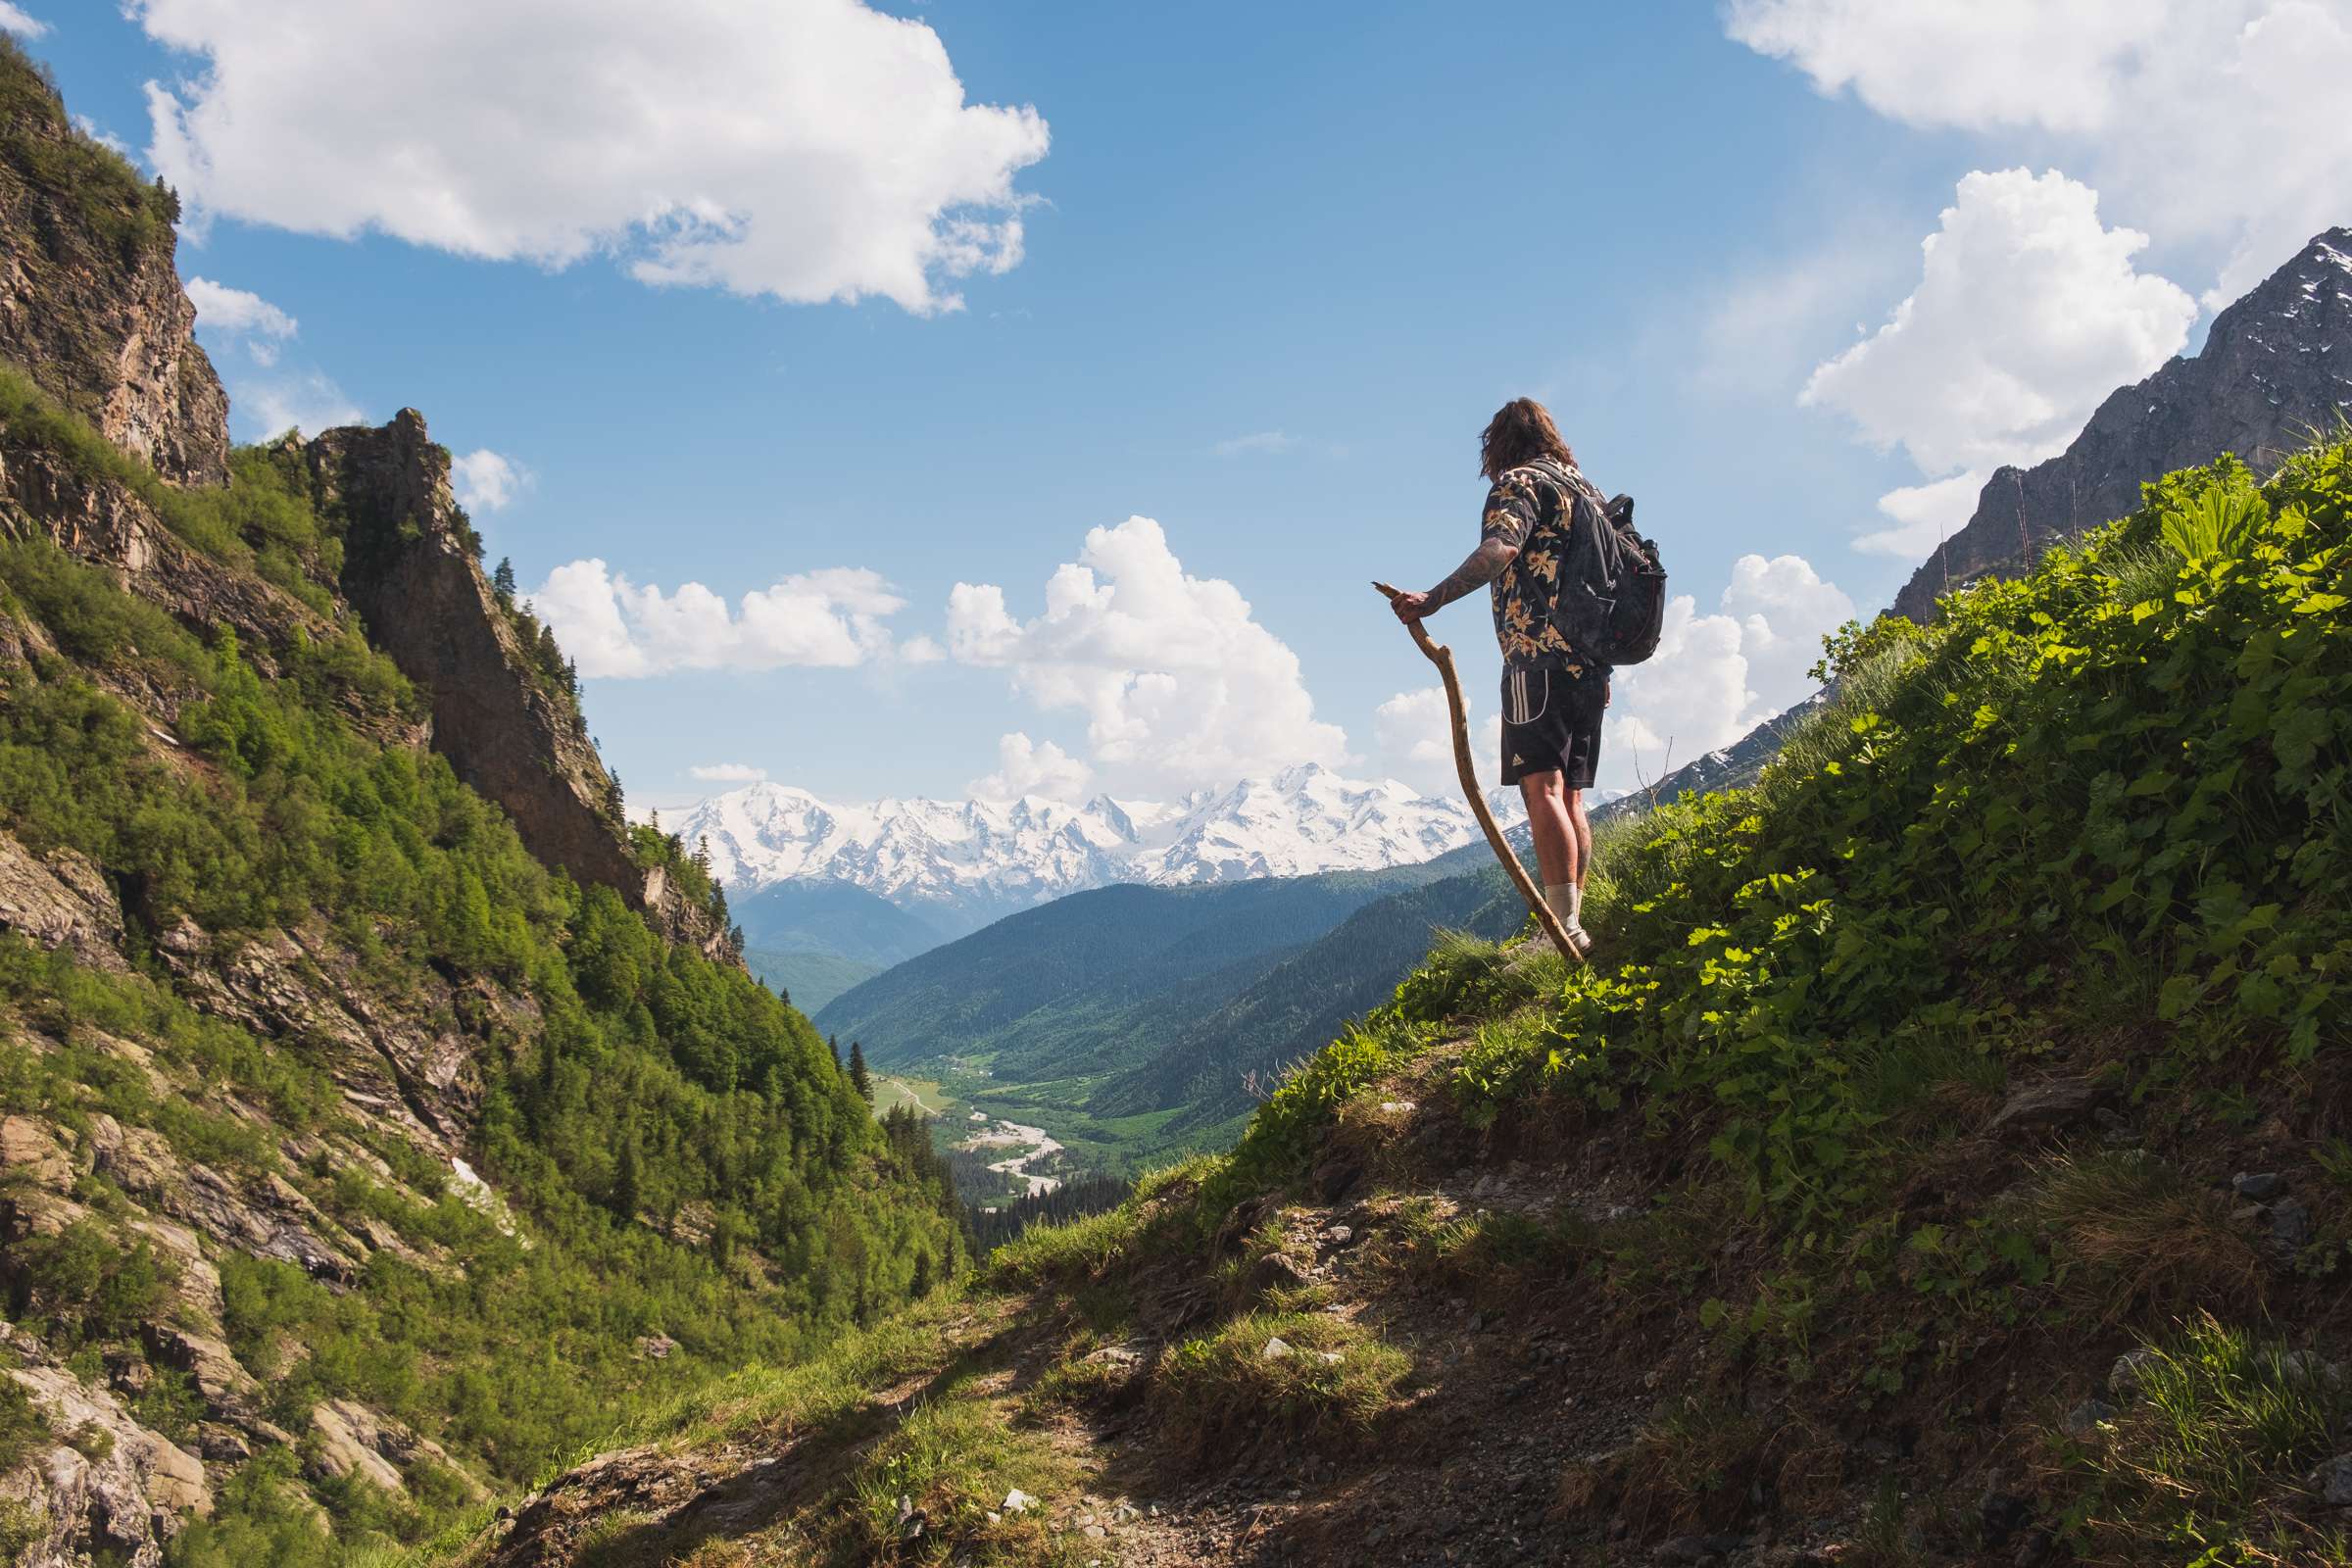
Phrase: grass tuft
(1222, 1389)
(2211, 1457)
(2141, 1233)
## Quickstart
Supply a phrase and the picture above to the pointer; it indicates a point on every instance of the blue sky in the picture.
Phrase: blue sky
(1274, 268)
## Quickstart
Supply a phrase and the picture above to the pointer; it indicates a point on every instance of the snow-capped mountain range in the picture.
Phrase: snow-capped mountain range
(967, 862)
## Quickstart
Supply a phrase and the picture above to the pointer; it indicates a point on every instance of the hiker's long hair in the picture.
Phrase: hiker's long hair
(1521, 431)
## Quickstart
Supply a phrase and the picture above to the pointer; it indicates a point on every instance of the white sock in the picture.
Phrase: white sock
(1575, 905)
(1562, 896)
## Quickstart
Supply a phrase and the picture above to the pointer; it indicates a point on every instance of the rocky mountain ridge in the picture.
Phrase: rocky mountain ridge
(2276, 368)
(965, 863)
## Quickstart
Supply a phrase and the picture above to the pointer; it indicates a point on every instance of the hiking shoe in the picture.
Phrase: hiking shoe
(1580, 939)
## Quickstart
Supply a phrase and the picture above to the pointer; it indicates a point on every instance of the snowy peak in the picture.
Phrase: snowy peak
(965, 863)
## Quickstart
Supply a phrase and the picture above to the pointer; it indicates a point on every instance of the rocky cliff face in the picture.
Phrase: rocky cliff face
(2277, 365)
(90, 302)
(112, 1135)
(412, 573)
(409, 571)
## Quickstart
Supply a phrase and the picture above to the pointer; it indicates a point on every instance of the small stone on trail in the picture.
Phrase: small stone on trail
(2123, 1379)
(2003, 1514)
(1339, 1235)
(1331, 1357)
(1019, 1501)
(2258, 1187)
(2052, 1103)
(2332, 1481)
(1276, 1348)
(2291, 1224)
(2084, 1421)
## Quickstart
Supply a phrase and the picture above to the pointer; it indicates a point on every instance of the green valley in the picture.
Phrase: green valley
(1132, 1022)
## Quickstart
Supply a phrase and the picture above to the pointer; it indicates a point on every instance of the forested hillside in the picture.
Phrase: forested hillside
(1941, 1162)
(1135, 1019)
(365, 1144)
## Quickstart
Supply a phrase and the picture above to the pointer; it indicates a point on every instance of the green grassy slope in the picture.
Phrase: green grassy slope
(2081, 846)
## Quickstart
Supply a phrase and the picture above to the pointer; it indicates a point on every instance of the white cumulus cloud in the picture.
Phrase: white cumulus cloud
(309, 402)
(1413, 735)
(488, 482)
(14, 20)
(613, 628)
(1178, 682)
(1717, 676)
(728, 773)
(2218, 120)
(1924, 516)
(1031, 767)
(808, 150)
(303, 397)
(2027, 313)
(237, 310)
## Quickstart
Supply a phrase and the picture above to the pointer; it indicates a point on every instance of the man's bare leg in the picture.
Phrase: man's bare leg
(1583, 826)
(1558, 850)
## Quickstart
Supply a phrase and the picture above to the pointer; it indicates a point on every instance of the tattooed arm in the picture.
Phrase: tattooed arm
(1510, 513)
(1477, 568)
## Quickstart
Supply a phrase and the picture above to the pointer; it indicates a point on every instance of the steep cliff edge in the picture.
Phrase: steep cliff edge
(2276, 368)
(510, 727)
(90, 300)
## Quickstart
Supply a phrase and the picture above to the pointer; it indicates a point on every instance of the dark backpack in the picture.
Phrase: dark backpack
(1613, 600)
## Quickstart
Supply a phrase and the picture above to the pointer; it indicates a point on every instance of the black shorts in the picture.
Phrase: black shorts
(1552, 723)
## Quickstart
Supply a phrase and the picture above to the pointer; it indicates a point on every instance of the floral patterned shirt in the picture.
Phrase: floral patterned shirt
(1525, 511)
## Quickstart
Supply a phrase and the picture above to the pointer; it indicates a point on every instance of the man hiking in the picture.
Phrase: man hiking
(1552, 696)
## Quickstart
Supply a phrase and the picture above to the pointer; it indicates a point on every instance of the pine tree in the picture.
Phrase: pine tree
(835, 1042)
(860, 1078)
(502, 581)
(920, 1286)
(702, 854)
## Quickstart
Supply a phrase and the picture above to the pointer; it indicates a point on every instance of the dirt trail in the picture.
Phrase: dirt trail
(1513, 1439)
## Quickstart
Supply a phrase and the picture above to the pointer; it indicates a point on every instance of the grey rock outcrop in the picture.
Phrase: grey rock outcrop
(2277, 364)
(90, 300)
(60, 900)
(413, 575)
(108, 1489)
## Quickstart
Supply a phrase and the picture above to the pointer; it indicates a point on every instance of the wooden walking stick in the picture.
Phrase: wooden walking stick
(1442, 656)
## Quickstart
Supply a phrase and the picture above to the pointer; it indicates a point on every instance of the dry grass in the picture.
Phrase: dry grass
(1694, 1463)
(2142, 1235)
